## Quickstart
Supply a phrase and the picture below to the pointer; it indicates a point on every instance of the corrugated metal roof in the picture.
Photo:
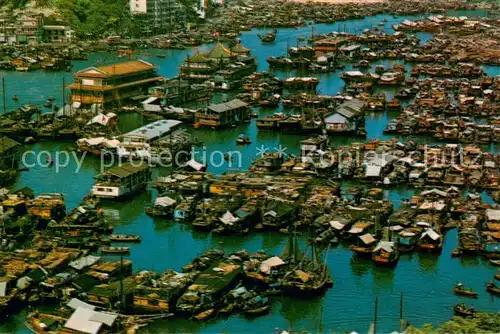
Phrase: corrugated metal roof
(156, 129)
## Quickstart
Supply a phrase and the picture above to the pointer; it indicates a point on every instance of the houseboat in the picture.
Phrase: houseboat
(431, 241)
(122, 181)
(225, 114)
(386, 254)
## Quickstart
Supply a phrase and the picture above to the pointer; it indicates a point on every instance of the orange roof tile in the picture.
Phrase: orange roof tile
(116, 69)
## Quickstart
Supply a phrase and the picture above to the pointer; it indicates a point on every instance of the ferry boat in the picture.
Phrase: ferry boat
(122, 181)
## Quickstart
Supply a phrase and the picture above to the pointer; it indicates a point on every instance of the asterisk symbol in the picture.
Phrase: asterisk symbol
(262, 150)
(281, 151)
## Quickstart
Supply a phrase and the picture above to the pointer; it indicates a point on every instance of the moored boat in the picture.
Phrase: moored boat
(495, 262)
(460, 290)
(205, 315)
(124, 238)
(493, 289)
(115, 250)
(269, 37)
(386, 254)
(257, 311)
(463, 311)
(243, 140)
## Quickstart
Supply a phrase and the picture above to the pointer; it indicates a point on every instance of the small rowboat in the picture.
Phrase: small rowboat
(227, 310)
(125, 238)
(257, 311)
(462, 311)
(466, 293)
(242, 140)
(115, 250)
(493, 289)
(497, 276)
(205, 315)
(495, 262)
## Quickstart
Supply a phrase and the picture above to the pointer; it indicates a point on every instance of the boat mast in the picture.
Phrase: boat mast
(122, 306)
(320, 329)
(375, 316)
(401, 321)
(3, 96)
(63, 95)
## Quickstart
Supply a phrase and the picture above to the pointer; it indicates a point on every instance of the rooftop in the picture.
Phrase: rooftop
(155, 130)
(116, 69)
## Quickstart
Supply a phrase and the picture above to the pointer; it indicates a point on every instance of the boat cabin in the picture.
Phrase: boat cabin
(121, 181)
(223, 114)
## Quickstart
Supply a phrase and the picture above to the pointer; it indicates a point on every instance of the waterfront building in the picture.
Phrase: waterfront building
(328, 45)
(224, 68)
(121, 181)
(9, 153)
(177, 91)
(20, 30)
(57, 34)
(113, 84)
(348, 118)
(158, 16)
(223, 114)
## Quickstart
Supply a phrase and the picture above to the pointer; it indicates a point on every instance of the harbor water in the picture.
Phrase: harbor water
(426, 280)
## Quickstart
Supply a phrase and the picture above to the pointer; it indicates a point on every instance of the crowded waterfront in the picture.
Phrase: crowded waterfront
(335, 162)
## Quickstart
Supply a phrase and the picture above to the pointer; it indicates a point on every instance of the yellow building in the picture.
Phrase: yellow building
(112, 84)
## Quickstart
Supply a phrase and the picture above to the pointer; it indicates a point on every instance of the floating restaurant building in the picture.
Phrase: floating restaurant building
(113, 84)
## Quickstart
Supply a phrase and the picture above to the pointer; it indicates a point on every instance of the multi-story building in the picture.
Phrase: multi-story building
(20, 30)
(24, 30)
(113, 84)
(57, 33)
(158, 15)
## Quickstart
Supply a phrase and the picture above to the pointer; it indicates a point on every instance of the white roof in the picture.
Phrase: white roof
(93, 141)
(431, 233)
(156, 129)
(151, 99)
(112, 143)
(355, 230)
(164, 201)
(228, 218)
(493, 214)
(373, 171)
(268, 264)
(336, 224)
(354, 73)
(407, 234)
(271, 213)
(84, 262)
(80, 321)
(99, 119)
(194, 165)
(388, 246)
(336, 118)
(104, 317)
(367, 238)
(75, 303)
